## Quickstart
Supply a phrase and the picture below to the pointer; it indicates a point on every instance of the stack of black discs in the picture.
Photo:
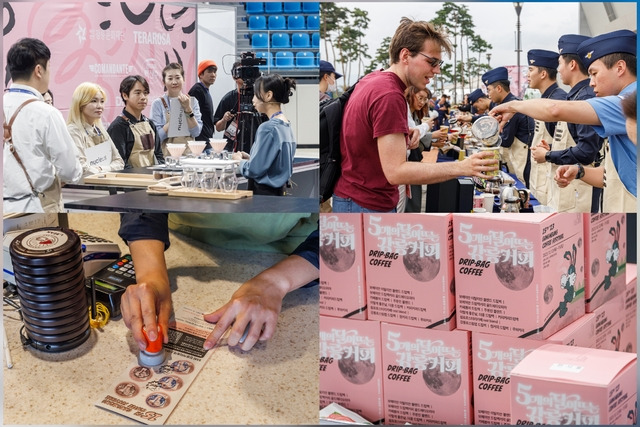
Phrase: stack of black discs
(47, 263)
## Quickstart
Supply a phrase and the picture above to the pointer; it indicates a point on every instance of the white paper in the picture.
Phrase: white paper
(99, 155)
(149, 395)
(178, 125)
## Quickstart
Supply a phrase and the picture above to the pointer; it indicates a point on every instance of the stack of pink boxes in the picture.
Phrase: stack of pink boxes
(449, 305)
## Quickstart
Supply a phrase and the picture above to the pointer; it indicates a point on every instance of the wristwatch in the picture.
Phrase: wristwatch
(580, 173)
(547, 156)
(191, 114)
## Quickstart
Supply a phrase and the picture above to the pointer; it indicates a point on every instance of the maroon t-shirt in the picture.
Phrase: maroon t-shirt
(377, 107)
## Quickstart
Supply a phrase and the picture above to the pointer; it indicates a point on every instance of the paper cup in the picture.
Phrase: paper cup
(495, 155)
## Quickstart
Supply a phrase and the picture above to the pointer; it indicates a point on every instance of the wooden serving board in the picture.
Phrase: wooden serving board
(217, 194)
(113, 178)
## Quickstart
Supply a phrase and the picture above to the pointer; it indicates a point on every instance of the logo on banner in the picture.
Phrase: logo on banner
(82, 34)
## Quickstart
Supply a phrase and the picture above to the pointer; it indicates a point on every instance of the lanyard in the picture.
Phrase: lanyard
(277, 113)
(21, 91)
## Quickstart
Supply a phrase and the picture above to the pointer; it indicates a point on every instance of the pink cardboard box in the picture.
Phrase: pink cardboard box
(629, 334)
(610, 317)
(558, 384)
(427, 375)
(518, 275)
(342, 292)
(605, 251)
(409, 269)
(494, 356)
(351, 366)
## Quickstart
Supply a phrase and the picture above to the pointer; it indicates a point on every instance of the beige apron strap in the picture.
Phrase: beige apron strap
(575, 197)
(615, 197)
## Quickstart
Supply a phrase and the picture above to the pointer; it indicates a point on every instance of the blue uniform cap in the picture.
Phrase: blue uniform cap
(475, 95)
(542, 58)
(326, 66)
(568, 44)
(620, 41)
(495, 75)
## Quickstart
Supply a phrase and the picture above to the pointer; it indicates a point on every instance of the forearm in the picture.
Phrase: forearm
(287, 275)
(413, 173)
(148, 259)
(594, 176)
(553, 110)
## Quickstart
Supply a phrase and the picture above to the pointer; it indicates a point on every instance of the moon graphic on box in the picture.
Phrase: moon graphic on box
(337, 259)
(514, 277)
(548, 294)
(421, 268)
(442, 383)
(595, 267)
(356, 372)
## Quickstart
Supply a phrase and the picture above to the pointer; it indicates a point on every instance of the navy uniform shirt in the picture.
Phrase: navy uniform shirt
(588, 143)
(553, 92)
(519, 126)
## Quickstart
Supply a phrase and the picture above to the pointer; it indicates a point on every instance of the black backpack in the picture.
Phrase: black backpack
(330, 126)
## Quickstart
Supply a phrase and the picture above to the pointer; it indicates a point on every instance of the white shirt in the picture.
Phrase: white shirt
(44, 145)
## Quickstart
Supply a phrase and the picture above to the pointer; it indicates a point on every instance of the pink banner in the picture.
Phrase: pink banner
(513, 77)
(105, 42)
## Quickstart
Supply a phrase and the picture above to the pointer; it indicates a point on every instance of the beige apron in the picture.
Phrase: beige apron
(516, 157)
(575, 197)
(141, 157)
(96, 153)
(539, 179)
(51, 198)
(173, 139)
(615, 197)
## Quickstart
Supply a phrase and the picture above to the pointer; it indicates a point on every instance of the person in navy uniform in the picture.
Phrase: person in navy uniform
(480, 106)
(581, 144)
(517, 133)
(543, 69)
(610, 60)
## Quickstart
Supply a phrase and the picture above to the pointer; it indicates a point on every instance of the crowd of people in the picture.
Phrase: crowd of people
(571, 150)
(38, 162)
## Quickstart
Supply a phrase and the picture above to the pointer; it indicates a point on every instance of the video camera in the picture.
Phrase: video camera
(248, 70)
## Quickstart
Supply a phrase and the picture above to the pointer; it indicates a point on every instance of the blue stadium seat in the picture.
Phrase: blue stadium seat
(315, 40)
(292, 7)
(300, 41)
(280, 40)
(313, 22)
(318, 59)
(277, 22)
(259, 41)
(257, 22)
(311, 7)
(272, 7)
(254, 7)
(268, 56)
(296, 22)
(284, 59)
(305, 60)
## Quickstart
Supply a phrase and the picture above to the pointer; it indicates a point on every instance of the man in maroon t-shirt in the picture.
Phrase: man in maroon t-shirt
(375, 131)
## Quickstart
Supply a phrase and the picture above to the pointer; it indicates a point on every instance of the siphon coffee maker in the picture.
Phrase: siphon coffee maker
(486, 131)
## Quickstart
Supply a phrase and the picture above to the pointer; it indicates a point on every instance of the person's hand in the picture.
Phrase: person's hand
(414, 138)
(503, 113)
(539, 151)
(228, 116)
(565, 174)
(146, 305)
(239, 155)
(479, 163)
(256, 304)
(440, 135)
(185, 101)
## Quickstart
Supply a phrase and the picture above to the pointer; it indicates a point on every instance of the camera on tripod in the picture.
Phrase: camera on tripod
(248, 70)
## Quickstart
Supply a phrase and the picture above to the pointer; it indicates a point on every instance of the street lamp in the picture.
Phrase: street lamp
(518, 7)
(489, 59)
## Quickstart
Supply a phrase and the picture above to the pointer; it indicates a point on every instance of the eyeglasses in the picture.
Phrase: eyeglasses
(434, 62)
(422, 99)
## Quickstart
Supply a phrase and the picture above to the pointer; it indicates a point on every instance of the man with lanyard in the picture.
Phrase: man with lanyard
(133, 134)
(38, 150)
(611, 61)
(328, 78)
(207, 71)
(226, 116)
(573, 143)
(543, 68)
(517, 132)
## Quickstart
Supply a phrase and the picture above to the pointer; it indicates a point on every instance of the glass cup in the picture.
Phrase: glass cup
(228, 179)
(209, 181)
(189, 178)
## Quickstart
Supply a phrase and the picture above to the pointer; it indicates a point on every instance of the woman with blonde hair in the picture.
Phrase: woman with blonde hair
(95, 147)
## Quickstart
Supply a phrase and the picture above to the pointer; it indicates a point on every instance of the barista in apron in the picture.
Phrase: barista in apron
(543, 68)
(133, 134)
(518, 132)
(187, 123)
(616, 197)
(97, 153)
